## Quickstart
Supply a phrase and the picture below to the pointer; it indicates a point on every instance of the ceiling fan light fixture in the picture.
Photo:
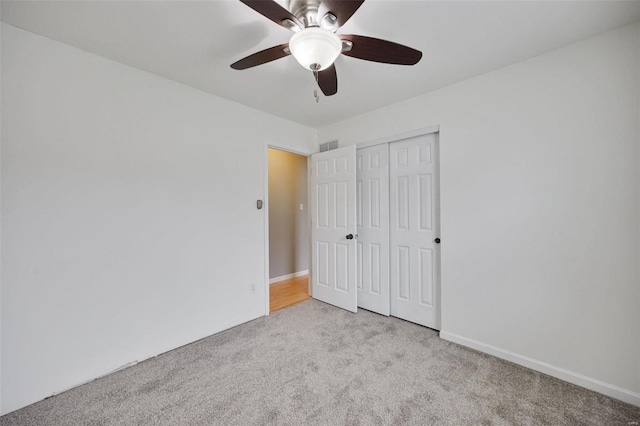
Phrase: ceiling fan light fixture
(314, 46)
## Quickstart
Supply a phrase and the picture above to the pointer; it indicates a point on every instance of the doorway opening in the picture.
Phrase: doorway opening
(288, 229)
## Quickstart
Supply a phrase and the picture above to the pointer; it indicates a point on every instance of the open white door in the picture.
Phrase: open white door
(333, 227)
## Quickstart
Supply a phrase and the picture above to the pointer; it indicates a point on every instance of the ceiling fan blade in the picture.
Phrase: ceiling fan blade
(262, 57)
(377, 50)
(328, 81)
(341, 9)
(272, 10)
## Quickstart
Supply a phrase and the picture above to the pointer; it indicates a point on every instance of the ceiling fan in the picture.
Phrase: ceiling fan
(314, 43)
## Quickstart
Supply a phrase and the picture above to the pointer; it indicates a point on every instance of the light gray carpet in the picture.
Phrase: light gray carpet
(315, 364)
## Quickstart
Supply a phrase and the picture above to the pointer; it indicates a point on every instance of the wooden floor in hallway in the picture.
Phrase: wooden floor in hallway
(288, 292)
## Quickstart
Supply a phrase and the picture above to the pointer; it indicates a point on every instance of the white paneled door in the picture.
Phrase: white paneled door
(414, 222)
(333, 227)
(372, 165)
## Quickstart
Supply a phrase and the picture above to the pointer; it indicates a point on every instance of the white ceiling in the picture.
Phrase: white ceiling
(194, 42)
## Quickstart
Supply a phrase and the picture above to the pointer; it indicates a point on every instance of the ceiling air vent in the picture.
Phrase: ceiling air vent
(328, 146)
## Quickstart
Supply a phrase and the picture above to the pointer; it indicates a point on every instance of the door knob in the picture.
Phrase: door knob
(437, 240)
(350, 237)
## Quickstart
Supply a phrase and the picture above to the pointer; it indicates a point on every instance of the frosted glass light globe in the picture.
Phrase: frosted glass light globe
(315, 46)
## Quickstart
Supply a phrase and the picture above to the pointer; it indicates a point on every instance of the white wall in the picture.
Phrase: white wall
(128, 212)
(540, 189)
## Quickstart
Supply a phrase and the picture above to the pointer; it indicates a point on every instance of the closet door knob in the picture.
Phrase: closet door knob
(437, 240)
(350, 237)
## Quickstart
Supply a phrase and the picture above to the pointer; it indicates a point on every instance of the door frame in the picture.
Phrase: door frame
(400, 136)
(265, 198)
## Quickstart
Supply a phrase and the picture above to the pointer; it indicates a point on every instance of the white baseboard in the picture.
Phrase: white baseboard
(289, 276)
(568, 376)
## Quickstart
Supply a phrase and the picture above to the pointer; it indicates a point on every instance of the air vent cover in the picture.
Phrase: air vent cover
(328, 146)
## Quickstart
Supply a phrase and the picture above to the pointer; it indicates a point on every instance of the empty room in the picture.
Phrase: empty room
(449, 189)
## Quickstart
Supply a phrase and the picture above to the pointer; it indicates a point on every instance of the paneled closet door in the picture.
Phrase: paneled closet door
(372, 172)
(414, 221)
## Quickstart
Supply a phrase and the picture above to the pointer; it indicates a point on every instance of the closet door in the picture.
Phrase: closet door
(372, 171)
(415, 256)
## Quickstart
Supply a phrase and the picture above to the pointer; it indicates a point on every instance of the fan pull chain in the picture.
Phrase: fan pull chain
(314, 68)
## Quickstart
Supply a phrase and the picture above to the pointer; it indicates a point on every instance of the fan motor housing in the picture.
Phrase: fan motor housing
(306, 11)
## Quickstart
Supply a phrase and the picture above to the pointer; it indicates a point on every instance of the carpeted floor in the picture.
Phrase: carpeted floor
(316, 364)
